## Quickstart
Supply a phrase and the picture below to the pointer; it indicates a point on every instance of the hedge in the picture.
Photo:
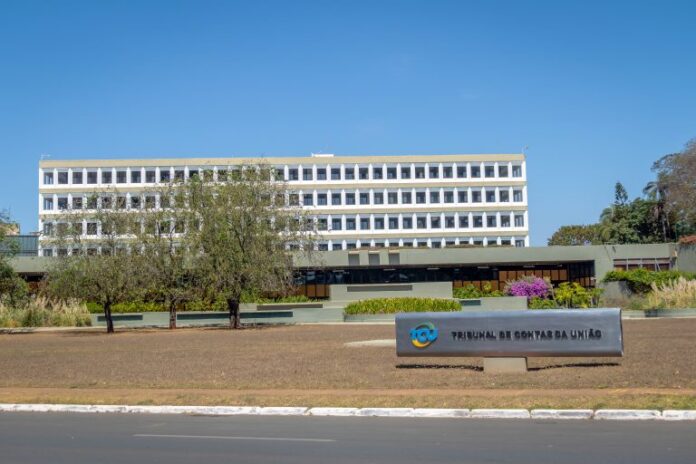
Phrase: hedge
(402, 305)
(639, 280)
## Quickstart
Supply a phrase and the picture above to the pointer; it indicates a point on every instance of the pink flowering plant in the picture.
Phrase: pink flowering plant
(530, 287)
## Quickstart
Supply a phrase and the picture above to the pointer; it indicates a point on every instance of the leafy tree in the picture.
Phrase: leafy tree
(94, 262)
(576, 235)
(12, 287)
(242, 233)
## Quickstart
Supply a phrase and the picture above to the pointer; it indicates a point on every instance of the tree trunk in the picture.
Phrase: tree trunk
(235, 320)
(172, 315)
(109, 319)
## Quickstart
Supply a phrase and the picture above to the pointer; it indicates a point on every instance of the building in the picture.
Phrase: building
(358, 202)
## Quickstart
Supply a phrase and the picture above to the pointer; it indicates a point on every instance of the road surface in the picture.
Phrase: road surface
(57, 438)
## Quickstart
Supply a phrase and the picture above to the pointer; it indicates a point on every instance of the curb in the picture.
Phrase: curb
(541, 414)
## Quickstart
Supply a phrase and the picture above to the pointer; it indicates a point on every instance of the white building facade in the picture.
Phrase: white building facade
(431, 201)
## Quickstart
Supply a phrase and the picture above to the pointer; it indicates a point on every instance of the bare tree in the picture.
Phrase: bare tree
(242, 232)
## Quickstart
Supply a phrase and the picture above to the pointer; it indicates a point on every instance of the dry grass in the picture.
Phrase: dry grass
(677, 294)
(310, 365)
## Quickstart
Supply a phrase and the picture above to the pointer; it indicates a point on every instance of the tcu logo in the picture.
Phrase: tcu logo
(423, 335)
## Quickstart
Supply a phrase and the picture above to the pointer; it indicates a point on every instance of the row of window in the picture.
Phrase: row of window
(434, 221)
(308, 199)
(150, 176)
(353, 245)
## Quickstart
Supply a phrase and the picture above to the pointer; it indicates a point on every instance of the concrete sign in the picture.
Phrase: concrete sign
(522, 333)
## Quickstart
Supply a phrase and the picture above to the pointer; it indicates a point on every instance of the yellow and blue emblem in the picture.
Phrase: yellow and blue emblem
(423, 335)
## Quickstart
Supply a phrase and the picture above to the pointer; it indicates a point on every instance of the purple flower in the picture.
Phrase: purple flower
(528, 286)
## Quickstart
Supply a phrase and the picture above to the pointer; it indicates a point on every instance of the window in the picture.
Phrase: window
(447, 172)
(350, 223)
(436, 244)
(350, 198)
(307, 174)
(434, 172)
(475, 171)
(48, 204)
(364, 223)
(406, 198)
(478, 221)
(490, 221)
(222, 175)
(492, 241)
(449, 196)
(490, 196)
(434, 222)
(308, 199)
(434, 197)
(504, 220)
(420, 173)
(92, 202)
(449, 222)
(121, 202)
(77, 177)
(379, 198)
(519, 243)
(63, 177)
(519, 220)
(335, 198)
(504, 196)
(464, 222)
(293, 199)
(364, 198)
(179, 175)
(323, 247)
(407, 223)
(292, 174)
(48, 228)
(77, 203)
(503, 171)
(149, 177)
(193, 173)
(379, 223)
(321, 199)
(490, 171)
(350, 173)
(336, 224)
(150, 201)
(106, 177)
(391, 173)
(135, 177)
(393, 222)
(505, 242)
(62, 203)
(377, 173)
(135, 202)
(476, 196)
(461, 171)
(421, 222)
(92, 177)
(48, 252)
(91, 228)
(392, 198)
(335, 173)
(517, 195)
(48, 178)
(321, 224)
(121, 177)
(420, 197)
(321, 174)
(405, 172)
(363, 174)
(165, 175)
(517, 172)
(278, 173)
(462, 196)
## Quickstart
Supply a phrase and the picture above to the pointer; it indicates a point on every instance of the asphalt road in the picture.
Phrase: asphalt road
(56, 438)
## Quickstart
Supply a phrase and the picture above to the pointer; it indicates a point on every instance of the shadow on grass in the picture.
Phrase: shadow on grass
(583, 365)
(465, 367)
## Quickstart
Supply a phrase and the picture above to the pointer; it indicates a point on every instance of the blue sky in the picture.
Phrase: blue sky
(596, 90)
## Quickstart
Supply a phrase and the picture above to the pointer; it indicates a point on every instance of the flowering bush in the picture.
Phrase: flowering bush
(529, 286)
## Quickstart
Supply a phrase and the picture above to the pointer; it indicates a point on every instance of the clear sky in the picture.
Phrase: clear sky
(596, 90)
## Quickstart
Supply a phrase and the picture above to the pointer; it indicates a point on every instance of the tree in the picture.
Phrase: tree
(576, 235)
(241, 231)
(160, 240)
(94, 260)
(12, 287)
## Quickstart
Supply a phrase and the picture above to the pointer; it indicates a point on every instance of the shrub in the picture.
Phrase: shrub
(469, 291)
(574, 295)
(542, 303)
(640, 280)
(529, 286)
(401, 305)
(676, 294)
(42, 312)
